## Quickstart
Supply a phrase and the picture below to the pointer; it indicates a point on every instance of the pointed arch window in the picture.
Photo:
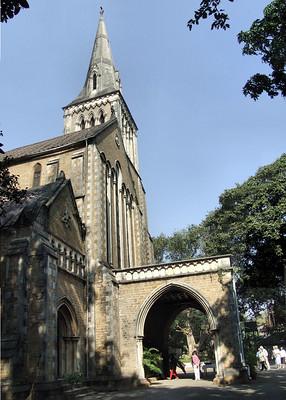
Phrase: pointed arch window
(37, 175)
(67, 340)
(101, 117)
(94, 81)
(82, 124)
(92, 121)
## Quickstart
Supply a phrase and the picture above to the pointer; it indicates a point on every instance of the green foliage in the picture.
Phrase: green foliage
(251, 361)
(9, 187)
(10, 8)
(210, 8)
(177, 339)
(190, 330)
(250, 223)
(160, 247)
(265, 38)
(183, 244)
(9, 190)
(152, 362)
(74, 378)
(251, 344)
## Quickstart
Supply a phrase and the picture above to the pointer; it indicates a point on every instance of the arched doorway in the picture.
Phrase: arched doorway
(157, 314)
(67, 340)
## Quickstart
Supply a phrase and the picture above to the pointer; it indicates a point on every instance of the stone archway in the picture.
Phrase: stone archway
(206, 283)
(67, 339)
(161, 306)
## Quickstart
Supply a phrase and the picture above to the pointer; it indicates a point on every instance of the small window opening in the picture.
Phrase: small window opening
(94, 81)
(92, 121)
(101, 117)
(82, 124)
(37, 175)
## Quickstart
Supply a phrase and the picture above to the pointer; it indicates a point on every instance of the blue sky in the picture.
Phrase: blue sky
(198, 134)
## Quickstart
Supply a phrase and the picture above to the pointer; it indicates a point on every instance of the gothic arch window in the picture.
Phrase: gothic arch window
(92, 121)
(103, 158)
(130, 230)
(67, 339)
(113, 217)
(37, 175)
(108, 185)
(101, 117)
(94, 81)
(82, 124)
(118, 218)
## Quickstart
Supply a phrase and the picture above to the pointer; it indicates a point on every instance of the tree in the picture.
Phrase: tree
(9, 188)
(211, 8)
(183, 244)
(190, 331)
(10, 8)
(266, 38)
(152, 362)
(160, 247)
(250, 223)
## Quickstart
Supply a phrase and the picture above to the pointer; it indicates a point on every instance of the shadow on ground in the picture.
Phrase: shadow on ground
(268, 385)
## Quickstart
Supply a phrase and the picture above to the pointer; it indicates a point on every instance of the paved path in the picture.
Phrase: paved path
(270, 385)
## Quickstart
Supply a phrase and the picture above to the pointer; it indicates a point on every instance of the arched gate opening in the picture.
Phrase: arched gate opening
(157, 315)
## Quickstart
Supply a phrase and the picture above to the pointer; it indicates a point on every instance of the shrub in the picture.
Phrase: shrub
(152, 362)
(74, 378)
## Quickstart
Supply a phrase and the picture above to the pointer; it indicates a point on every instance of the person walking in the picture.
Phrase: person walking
(196, 365)
(277, 356)
(265, 352)
(173, 367)
(283, 357)
(262, 358)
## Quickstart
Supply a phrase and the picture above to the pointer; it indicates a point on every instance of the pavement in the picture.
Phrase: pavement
(269, 384)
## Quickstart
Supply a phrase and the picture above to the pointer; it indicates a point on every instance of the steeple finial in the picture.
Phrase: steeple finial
(101, 10)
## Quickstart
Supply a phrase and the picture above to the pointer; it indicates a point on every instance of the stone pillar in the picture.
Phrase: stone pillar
(42, 328)
(228, 344)
(139, 347)
(14, 312)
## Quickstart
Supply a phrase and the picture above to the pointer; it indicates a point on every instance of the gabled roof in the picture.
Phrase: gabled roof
(57, 143)
(27, 211)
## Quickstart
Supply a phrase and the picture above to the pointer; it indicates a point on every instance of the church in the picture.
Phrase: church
(81, 293)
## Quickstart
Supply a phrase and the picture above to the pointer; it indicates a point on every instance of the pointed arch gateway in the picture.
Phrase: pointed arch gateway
(154, 298)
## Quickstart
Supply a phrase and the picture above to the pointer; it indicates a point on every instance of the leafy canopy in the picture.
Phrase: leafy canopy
(249, 223)
(9, 187)
(10, 8)
(183, 244)
(265, 38)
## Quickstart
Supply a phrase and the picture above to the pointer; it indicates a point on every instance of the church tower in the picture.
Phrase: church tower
(101, 98)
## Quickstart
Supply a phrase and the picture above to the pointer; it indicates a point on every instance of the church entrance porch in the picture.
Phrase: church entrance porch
(150, 297)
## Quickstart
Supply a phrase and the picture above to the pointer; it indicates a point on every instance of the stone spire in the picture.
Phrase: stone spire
(102, 77)
(100, 98)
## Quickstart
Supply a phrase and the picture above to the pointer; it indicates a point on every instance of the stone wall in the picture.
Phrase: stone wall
(209, 285)
(33, 285)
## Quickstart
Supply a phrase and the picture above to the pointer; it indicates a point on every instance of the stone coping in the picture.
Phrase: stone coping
(173, 269)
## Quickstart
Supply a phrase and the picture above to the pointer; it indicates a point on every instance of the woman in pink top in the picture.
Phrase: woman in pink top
(196, 365)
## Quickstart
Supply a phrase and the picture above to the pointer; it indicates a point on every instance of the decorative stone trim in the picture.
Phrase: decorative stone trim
(171, 270)
(69, 259)
(91, 104)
